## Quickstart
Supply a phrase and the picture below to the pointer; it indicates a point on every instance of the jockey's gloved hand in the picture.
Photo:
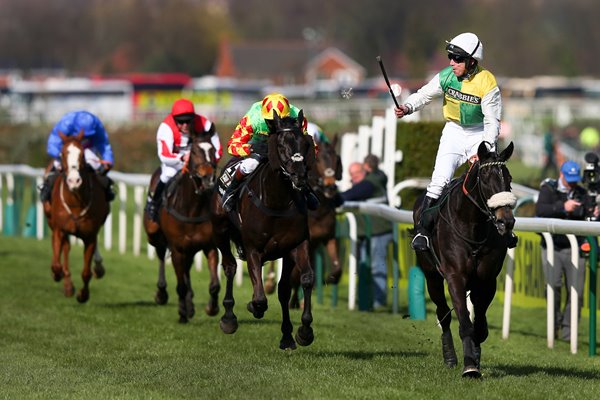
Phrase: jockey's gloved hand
(56, 164)
(104, 168)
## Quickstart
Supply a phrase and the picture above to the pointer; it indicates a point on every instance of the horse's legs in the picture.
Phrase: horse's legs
(55, 266)
(481, 297)
(98, 266)
(162, 296)
(86, 274)
(435, 287)
(228, 321)
(301, 256)
(182, 263)
(284, 290)
(258, 306)
(336, 270)
(68, 288)
(458, 294)
(212, 308)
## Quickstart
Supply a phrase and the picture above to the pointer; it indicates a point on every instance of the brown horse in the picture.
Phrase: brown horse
(322, 221)
(469, 242)
(184, 227)
(78, 207)
(270, 222)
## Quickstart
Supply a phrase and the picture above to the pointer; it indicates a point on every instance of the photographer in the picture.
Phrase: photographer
(564, 198)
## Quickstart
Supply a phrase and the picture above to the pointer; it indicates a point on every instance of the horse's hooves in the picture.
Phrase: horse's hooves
(334, 277)
(228, 327)
(270, 286)
(305, 336)
(450, 363)
(183, 319)
(211, 310)
(99, 271)
(83, 298)
(471, 371)
(287, 344)
(257, 311)
(69, 292)
(57, 275)
(161, 297)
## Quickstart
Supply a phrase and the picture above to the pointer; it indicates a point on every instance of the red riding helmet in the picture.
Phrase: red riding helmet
(182, 106)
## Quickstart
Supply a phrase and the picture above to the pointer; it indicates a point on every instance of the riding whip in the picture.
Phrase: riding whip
(387, 81)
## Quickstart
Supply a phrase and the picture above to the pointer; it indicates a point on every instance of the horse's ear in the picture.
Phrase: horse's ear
(334, 141)
(62, 136)
(300, 119)
(507, 152)
(338, 168)
(272, 152)
(80, 135)
(482, 150)
(272, 124)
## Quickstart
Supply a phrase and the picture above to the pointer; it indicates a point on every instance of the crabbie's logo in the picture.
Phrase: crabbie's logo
(467, 98)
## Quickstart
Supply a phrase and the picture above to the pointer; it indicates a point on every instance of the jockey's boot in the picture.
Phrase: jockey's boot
(421, 240)
(154, 200)
(46, 186)
(312, 201)
(107, 184)
(229, 197)
(512, 241)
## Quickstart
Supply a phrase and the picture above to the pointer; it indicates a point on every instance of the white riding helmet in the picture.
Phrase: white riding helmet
(466, 45)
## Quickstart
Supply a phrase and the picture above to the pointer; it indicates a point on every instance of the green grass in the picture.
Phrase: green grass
(120, 345)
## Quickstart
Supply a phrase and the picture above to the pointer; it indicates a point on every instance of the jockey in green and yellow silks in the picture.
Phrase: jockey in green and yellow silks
(249, 142)
(472, 109)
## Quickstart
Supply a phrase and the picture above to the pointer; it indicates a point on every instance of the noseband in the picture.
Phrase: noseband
(498, 200)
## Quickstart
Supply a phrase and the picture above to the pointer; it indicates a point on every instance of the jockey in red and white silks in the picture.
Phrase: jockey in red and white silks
(173, 137)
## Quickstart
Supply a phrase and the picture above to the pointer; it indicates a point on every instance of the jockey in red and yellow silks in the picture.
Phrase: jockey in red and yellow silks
(249, 139)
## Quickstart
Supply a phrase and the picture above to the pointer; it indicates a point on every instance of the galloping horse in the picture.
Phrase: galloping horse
(322, 221)
(270, 222)
(184, 227)
(77, 206)
(469, 243)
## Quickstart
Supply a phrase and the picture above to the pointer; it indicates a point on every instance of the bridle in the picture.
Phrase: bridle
(294, 158)
(192, 170)
(493, 202)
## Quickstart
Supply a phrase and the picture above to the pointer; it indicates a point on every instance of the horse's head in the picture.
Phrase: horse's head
(72, 159)
(290, 150)
(202, 162)
(494, 187)
(329, 168)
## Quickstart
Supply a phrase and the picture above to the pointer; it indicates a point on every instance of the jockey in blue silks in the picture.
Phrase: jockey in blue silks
(98, 151)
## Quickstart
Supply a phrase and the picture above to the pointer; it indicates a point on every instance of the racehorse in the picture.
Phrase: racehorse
(269, 222)
(78, 207)
(184, 227)
(322, 221)
(469, 242)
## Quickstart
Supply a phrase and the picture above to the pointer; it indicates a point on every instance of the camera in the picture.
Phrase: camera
(591, 182)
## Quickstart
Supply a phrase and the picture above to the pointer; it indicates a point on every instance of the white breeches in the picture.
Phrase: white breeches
(457, 145)
(248, 165)
(167, 172)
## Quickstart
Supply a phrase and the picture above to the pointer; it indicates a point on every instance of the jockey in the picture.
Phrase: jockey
(98, 152)
(173, 140)
(249, 142)
(472, 109)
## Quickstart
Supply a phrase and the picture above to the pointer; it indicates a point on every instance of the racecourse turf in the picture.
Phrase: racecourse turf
(120, 345)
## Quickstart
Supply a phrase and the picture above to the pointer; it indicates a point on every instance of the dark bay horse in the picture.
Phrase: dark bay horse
(322, 221)
(270, 222)
(184, 226)
(469, 242)
(78, 207)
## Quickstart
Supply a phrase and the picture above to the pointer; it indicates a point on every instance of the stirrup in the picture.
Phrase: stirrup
(420, 242)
